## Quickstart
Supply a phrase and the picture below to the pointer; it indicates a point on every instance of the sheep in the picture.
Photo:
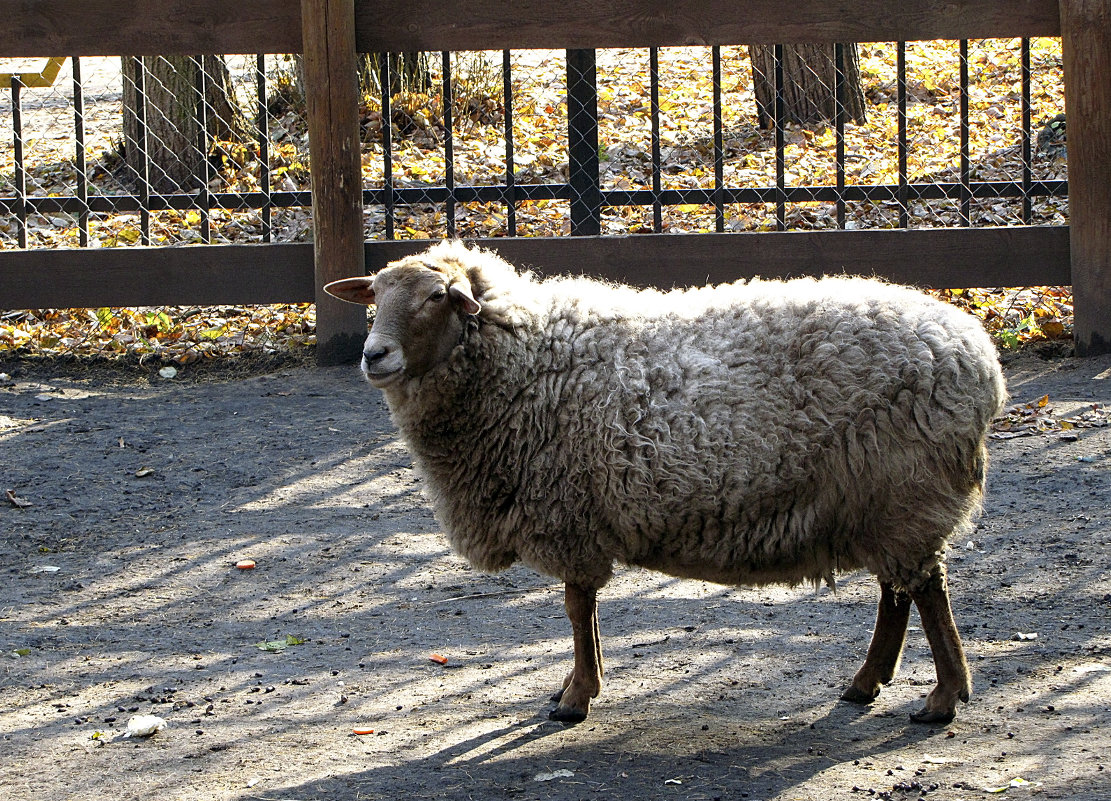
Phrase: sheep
(749, 433)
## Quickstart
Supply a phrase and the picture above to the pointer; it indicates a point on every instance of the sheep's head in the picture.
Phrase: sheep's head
(422, 307)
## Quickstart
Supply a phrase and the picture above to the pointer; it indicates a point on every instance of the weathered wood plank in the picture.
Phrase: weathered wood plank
(149, 27)
(940, 258)
(156, 276)
(234, 274)
(167, 27)
(332, 96)
(495, 24)
(1086, 45)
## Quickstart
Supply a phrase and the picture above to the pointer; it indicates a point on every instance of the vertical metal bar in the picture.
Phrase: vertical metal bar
(204, 199)
(144, 151)
(449, 146)
(657, 178)
(966, 194)
(1027, 176)
(780, 144)
(719, 147)
(79, 153)
(582, 143)
(904, 190)
(263, 131)
(387, 143)
(510, 190)
(839, 130)
(20, 171)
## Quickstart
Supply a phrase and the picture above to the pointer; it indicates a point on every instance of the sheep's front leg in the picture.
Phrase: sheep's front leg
(954, 682)
(585, 680)
(887, 646)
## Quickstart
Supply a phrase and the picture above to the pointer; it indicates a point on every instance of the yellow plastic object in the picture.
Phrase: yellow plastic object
(35, 80)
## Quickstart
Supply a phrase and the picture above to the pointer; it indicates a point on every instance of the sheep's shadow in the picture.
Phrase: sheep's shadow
(626, 752)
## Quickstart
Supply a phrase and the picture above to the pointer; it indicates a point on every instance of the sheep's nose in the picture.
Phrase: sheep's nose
(372, 354)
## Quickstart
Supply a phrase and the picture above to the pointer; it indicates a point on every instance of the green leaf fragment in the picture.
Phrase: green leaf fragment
(275, 646)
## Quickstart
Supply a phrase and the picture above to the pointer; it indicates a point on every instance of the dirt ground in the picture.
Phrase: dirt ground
(120, 597)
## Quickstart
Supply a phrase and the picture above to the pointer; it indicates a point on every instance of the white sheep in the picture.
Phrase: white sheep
(747, 433)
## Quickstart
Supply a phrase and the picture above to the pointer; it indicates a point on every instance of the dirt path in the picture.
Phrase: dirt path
(145, 492)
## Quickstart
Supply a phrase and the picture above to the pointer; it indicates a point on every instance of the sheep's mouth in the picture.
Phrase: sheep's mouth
(380, 379)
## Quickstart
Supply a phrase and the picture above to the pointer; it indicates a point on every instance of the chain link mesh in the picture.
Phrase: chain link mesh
(953, 134)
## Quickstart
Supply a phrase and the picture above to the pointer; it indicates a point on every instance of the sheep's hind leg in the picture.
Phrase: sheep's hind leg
(887, 646)
(585, 680)
(953, 678)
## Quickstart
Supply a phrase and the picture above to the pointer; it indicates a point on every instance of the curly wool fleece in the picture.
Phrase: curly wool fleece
(748, 433)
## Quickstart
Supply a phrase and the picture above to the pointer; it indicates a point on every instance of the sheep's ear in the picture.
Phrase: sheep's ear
(353, 290)
(462, 293)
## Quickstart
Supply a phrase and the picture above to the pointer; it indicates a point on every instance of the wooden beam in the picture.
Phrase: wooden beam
(1086, 45)
(283, 273)
(156, 276)
(939, 258)
(332, 95)
(167, 27)
(149, 27)
(495, 24)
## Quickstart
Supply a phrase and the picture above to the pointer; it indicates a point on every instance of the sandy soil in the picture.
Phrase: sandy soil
(120, 597)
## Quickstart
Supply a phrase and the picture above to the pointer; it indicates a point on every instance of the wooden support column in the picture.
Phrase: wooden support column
(332, 94)
(1086, 44)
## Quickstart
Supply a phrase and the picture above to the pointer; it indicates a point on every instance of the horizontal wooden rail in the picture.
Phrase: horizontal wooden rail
(156, 276)
(936, 257)
(166, 27)
(241, 274)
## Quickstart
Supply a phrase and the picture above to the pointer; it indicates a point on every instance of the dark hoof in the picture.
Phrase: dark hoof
(567, 715)
(855, 696)
(933, 716)
(557, 696)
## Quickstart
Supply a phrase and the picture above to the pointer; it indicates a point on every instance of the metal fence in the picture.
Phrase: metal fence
(542, 143)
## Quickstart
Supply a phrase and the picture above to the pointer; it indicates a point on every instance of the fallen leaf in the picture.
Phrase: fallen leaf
(143, 472)
(17, 502)
(562, 773)
(275, 646)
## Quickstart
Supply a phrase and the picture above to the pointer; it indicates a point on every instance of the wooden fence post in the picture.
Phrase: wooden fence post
(1086, 45)
(332, 94)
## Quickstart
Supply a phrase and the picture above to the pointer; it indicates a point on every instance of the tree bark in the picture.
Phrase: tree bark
(409, 72)
(809, 84)
(173, 146)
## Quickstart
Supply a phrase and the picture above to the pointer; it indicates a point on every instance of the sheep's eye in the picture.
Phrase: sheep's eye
(438, 295)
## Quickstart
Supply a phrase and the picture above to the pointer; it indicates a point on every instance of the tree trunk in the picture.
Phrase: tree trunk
(409, 72)
(809, 84)
(174, 146)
